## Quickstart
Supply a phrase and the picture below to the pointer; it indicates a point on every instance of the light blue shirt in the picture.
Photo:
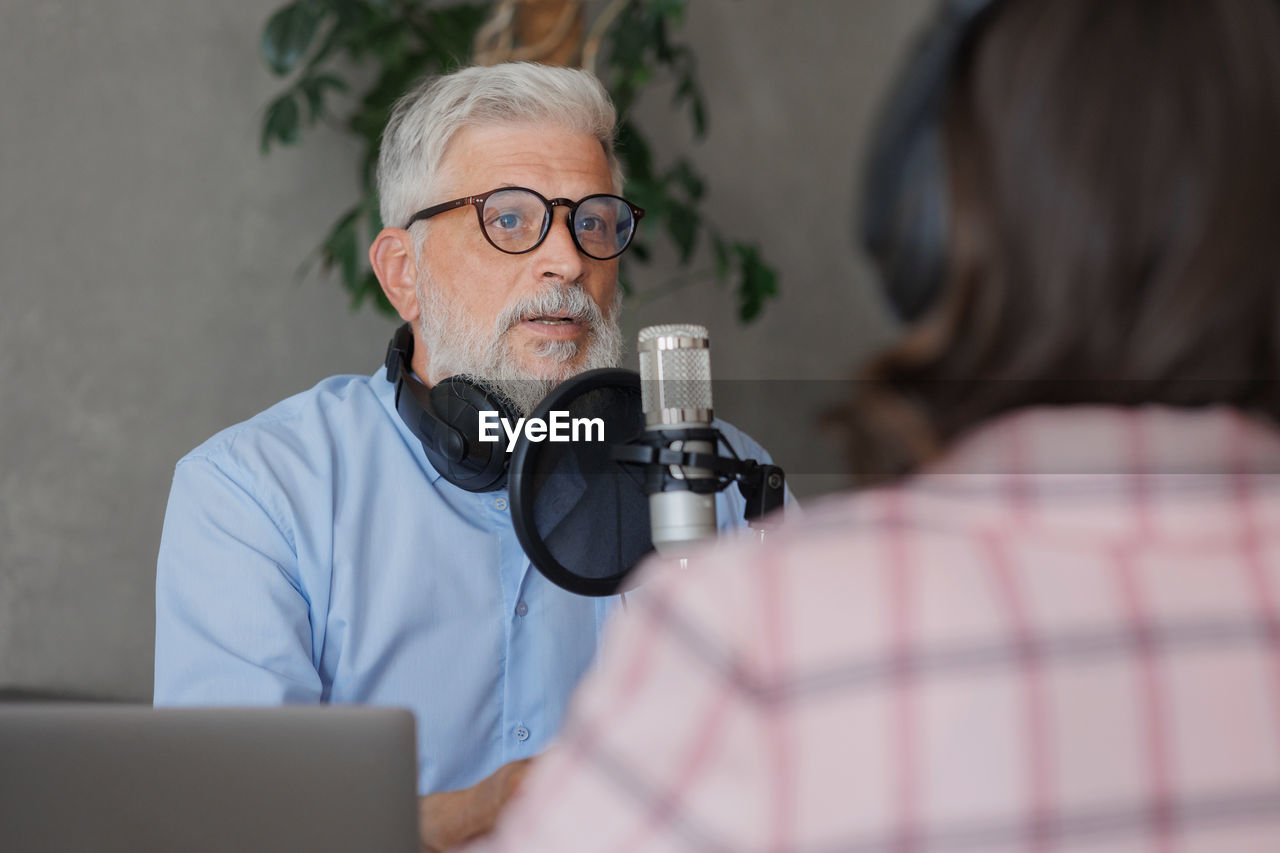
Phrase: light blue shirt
(313, 554)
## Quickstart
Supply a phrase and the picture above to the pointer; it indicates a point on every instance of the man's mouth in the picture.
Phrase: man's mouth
(553, 321)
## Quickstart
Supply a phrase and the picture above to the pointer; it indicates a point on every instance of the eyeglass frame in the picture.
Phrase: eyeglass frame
(478, 201)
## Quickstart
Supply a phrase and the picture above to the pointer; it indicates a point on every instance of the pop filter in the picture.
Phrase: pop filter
(581, 517)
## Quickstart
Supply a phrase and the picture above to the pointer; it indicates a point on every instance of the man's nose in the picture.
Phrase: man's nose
(558, 256)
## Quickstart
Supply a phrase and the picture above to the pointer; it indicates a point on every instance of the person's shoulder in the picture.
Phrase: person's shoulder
(741, 443)
(737, 593)
(837, 537)
(840, 553)
(815, 589)
(298, 427)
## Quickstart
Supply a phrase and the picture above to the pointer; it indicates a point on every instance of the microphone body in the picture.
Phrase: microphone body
(675, 383)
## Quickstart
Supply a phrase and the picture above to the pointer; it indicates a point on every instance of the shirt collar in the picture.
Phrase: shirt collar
(386, 394)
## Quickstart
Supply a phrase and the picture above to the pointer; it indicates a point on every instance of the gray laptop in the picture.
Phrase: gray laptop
(117, 778)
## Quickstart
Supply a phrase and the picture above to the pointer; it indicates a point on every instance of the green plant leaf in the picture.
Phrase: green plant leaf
(334, 38)
(340, 248)
(289, 34)
(635, 153)
(683, 224)
(686, 176)
(372, 214)
(314, 88)
(722, 256)
(448, 33)
(673, 9)
(758, 282)
(281, 122)
(698, 112)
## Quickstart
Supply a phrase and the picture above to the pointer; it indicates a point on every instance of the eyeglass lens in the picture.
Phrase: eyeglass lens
(516, 220)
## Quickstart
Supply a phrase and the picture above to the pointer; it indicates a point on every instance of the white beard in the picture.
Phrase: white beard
(458, 346)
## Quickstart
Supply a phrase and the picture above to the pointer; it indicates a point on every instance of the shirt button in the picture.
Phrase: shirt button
(500, 504)
(521, 733)
(522, 609)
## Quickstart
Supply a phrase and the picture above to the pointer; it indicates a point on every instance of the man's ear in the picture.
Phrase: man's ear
(391, 256)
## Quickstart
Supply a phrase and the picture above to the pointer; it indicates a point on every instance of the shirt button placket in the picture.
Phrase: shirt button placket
(521, 733)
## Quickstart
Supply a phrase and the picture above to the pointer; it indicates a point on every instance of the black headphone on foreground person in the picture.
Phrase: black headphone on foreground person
(446, 419)
(905, 212)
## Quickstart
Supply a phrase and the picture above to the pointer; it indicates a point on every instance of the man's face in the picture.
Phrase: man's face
(544, 315)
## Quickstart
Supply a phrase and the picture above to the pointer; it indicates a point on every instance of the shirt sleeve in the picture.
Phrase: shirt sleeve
(666, 746)
(232, 620)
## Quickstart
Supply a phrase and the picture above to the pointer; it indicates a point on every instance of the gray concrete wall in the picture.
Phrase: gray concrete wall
(148, 257)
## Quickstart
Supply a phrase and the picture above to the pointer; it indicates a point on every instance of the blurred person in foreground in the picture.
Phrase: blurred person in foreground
(316, 553)
(1054, 621)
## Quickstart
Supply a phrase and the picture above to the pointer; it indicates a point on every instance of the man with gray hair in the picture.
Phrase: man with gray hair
(475, 310)
(315, 554)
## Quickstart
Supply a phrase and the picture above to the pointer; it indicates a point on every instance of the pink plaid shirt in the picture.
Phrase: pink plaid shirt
(1066, 637)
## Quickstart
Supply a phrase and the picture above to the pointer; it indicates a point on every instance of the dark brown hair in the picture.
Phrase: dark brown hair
(1115, 181)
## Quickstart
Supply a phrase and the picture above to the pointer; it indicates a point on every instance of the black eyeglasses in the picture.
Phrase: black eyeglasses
(516, 220)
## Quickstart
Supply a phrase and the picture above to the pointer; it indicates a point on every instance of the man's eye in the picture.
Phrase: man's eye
(591, 223)
(506, 221)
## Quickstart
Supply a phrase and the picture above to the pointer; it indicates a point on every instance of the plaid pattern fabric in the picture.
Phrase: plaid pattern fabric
(1066, 637)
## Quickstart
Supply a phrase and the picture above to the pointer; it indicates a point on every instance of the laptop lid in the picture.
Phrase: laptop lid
(134, 778)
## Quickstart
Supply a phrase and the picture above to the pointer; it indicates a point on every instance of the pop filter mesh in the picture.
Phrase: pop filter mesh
(582, 518)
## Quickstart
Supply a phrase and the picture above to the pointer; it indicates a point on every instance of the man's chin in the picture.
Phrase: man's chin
(524, 378)
(522, 395)
(551, 373)
(550, 363)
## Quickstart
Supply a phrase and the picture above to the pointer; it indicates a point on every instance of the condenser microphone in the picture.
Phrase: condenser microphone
(675, 388)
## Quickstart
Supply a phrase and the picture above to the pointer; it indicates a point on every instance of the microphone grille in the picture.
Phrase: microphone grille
(673, 330)
(675, 373)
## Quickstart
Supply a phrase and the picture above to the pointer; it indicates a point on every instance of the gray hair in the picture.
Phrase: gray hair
(425, 120)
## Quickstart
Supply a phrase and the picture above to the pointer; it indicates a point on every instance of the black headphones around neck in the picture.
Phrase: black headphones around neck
(906, 208)
(446, 419)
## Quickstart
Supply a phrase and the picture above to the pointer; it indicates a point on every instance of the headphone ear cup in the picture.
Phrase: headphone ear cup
(906, 209)
(446, 419)
(910, 242)
(474, 465)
